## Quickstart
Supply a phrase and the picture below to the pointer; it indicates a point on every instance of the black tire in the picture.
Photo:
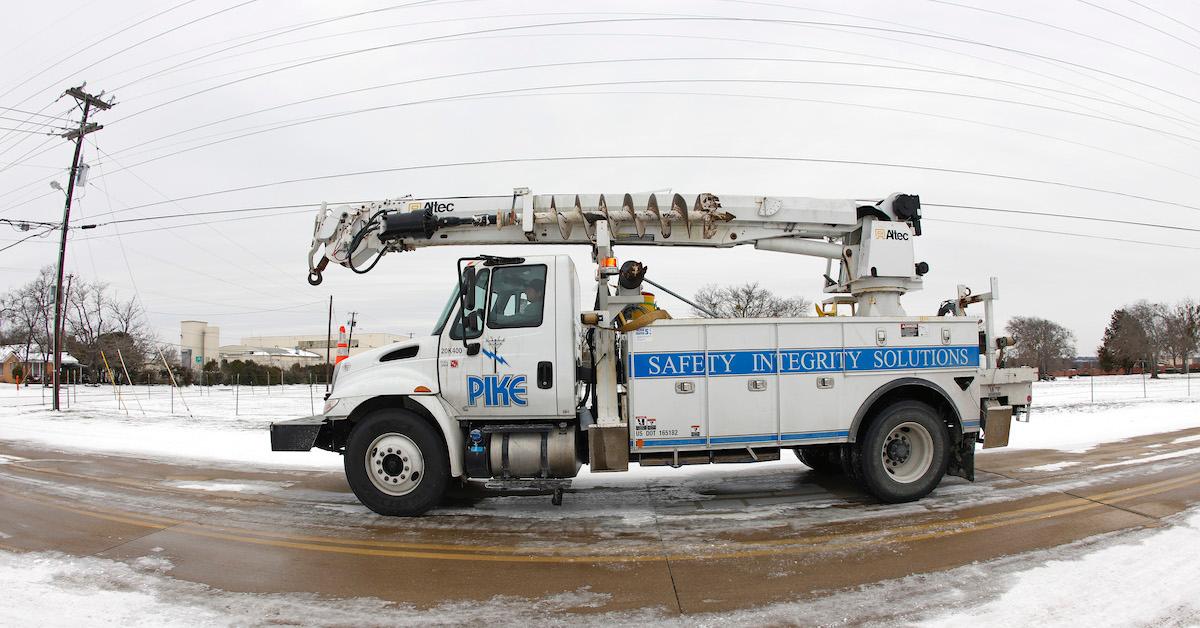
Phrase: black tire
(891, 455)
(406, 432)
(824, 459)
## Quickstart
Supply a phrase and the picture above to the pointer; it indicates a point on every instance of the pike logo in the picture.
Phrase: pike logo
(497, 390)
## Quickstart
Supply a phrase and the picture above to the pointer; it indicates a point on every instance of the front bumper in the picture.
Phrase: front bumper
(296, 434)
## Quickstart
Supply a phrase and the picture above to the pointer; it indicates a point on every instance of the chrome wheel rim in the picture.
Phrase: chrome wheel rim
(907, 452)
(395, 464)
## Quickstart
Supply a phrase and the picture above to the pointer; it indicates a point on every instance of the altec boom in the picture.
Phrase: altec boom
(519, 385)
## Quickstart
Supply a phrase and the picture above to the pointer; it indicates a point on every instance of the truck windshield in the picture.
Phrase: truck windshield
(481, 287)
(441, 323)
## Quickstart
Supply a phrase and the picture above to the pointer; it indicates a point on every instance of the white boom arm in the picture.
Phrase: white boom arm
(872, 242)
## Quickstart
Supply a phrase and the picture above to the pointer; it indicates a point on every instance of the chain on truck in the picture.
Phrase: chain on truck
(519, 385)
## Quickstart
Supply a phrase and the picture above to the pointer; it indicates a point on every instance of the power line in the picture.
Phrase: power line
(641, 60)
(272, 33)
(612, 83)
(936, 33)
(36, 113)
(1114, 221)
(1137, 21)
(1167, 16)
(94, 43)
(1102, 40)
(660, 19)
(1066, 233)
(16, 130)
(29, 237)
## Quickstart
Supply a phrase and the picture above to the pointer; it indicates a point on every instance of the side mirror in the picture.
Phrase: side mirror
(468, 288)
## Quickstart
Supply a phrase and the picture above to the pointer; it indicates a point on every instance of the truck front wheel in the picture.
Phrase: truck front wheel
(396, 463)
(903, 454)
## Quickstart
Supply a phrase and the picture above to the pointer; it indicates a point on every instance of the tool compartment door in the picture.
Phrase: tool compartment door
(812, 386)
(743, 387)
(666, 383)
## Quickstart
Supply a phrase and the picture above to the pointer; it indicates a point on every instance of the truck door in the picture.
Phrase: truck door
(513, 372)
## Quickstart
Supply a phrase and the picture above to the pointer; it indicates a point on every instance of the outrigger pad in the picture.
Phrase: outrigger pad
(995, 429)
(296, 434)
(608, 448)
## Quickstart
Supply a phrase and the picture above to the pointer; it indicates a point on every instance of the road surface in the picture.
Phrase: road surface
(704, 540)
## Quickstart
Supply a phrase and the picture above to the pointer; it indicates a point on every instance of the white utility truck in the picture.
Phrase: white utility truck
(519, 385)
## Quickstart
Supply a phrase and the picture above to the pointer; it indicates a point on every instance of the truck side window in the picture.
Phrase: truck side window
(474, 317)
(518, 297)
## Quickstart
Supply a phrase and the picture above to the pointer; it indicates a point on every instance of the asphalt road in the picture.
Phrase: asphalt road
(714, 539)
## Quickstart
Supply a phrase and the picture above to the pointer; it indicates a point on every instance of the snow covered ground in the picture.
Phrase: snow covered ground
(1145, 578)
(1100, 581)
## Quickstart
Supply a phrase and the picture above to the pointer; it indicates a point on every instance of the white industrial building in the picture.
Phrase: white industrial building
(270, 356)
(199, 342)
(316, 343)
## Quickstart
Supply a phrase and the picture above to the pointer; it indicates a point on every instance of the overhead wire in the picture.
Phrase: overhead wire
(88, 46)
(689, 157)
(1166, 15)
(565, 64)
(1021, 212)
(237, 246)
(928, 31)
(1139, 22)
(656, 19)
(1108, 41)
(1067, 233)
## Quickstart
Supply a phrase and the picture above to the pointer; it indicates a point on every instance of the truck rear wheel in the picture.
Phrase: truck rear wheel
(824, 459)
(903, 454)
(396, 463)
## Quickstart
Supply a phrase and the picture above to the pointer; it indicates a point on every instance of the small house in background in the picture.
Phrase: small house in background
(35, 366)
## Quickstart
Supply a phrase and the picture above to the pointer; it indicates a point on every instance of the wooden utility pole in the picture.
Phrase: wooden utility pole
(87, 102)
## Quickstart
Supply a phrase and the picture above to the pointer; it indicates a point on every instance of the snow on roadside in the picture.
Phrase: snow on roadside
(1053, 466)
(1146, 577)
(51, 589)
(1157, 458)
(1151, 582)
(1076, 428)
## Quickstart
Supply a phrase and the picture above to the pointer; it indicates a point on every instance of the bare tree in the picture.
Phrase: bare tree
(748, 300)
(28, 313)
(1040, 343)
(95, 321)
(1182, 326)
(101, 328)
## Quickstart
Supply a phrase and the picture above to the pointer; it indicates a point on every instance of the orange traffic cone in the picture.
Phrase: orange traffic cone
(343, 347)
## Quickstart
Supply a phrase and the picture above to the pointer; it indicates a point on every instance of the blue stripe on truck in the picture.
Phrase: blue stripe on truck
(753, 438)
(782, 361)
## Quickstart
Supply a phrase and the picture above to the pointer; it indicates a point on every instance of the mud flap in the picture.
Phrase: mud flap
(962, 462)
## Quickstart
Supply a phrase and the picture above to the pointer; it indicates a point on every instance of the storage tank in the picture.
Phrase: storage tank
(198, 339)
(212, 344)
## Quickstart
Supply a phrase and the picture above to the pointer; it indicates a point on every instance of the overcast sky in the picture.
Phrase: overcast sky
(1099, 94)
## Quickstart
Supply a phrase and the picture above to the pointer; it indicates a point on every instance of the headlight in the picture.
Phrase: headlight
(329, 405)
